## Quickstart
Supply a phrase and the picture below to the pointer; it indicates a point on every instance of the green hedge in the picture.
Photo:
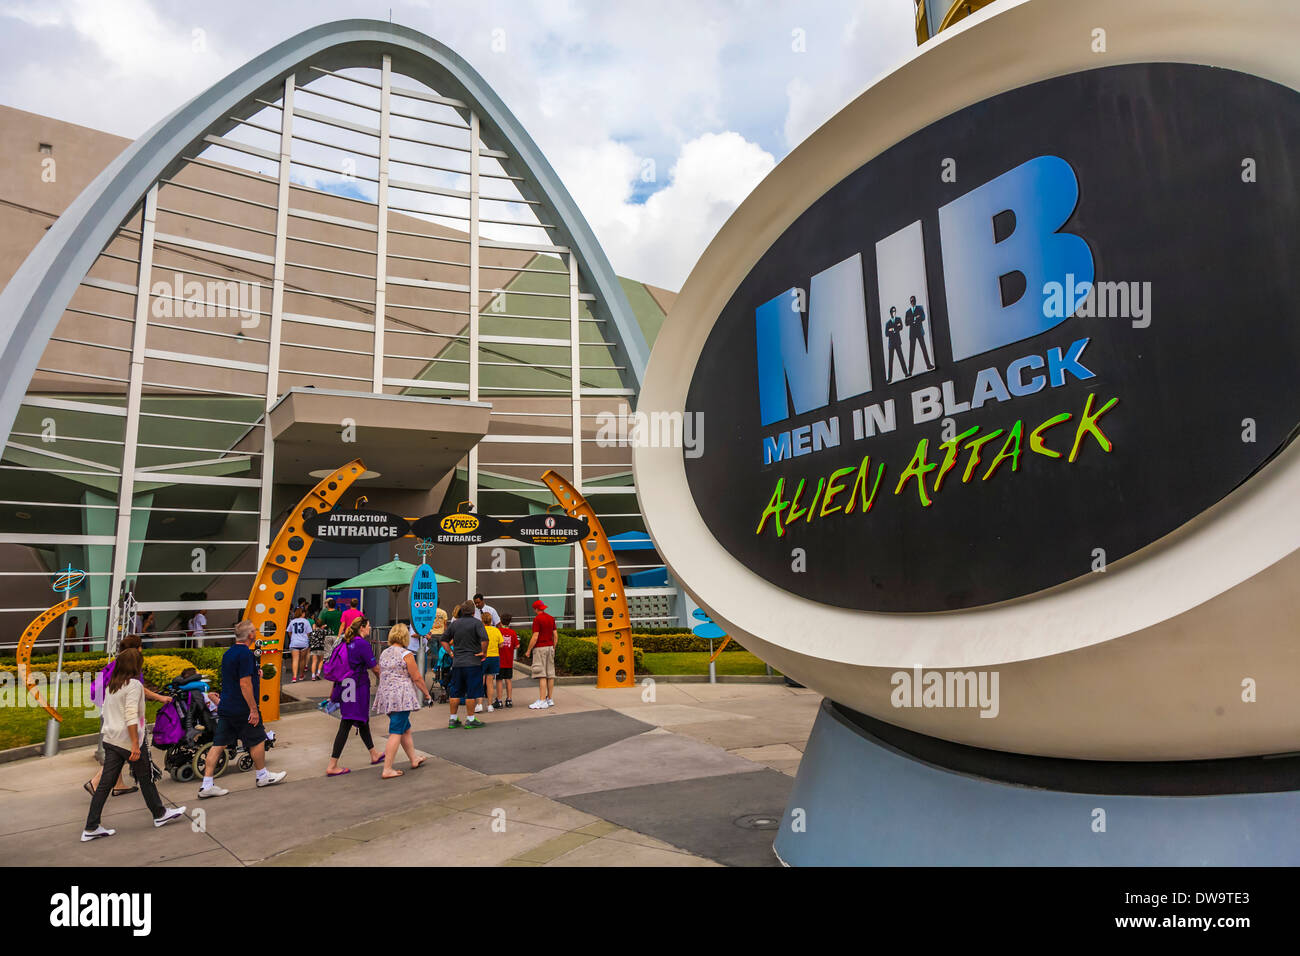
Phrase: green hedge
(576, 656)
(162, 669)
(11, 660)
(526, 632)
(203, 658)
(591, 631)
(160, 665)
(678, 643)
(92, 665)
(200, 656)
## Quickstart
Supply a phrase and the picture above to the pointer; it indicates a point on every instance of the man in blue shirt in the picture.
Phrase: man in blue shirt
(238, 717)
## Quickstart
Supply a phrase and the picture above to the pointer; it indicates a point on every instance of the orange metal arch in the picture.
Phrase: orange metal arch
(613, 622)
(25, 643)
(271, 599)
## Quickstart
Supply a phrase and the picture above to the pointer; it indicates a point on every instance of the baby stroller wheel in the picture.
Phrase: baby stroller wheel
(245, 763)
(196, 768)
(183, 774)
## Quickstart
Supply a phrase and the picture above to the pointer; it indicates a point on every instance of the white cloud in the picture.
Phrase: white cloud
(115, 65)
(876, 38)
(660, 240)
(711, 91)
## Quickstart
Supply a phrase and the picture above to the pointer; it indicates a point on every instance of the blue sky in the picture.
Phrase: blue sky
(659, 116)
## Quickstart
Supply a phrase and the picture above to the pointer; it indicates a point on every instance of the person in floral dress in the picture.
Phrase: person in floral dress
(401, 688)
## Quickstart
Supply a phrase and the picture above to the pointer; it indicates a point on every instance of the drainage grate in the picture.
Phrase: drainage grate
(758, 821)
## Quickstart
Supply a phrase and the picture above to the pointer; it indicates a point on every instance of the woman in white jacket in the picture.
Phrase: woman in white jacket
(123, 737)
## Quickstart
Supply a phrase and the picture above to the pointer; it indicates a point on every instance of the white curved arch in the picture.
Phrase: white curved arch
(38, 293)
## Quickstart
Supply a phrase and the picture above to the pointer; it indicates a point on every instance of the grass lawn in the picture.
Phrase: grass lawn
(26, 725)
(697, 662)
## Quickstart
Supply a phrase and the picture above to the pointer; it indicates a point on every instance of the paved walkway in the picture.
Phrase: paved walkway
(696, 777)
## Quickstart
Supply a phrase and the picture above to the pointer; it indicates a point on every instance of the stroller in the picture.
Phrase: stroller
(185, 727)
(442, 673)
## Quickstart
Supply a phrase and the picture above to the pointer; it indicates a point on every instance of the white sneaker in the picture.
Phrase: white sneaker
(537, 705)
(272, 778)
(478, 708)
(549, 702)
(206, 793)
(95, 834)
(169, 816)
(490, 708)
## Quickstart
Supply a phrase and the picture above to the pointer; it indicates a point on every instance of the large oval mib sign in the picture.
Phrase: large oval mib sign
(1023, 343)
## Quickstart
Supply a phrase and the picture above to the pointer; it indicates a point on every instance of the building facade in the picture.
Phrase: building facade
(346, 249)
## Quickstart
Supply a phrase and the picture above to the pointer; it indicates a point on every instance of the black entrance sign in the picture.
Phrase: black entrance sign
(458, 527)
(548, 529)
(359, 527)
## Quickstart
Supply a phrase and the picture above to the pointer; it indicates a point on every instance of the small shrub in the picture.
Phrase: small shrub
(91, 665)
(203, 658)
(677, 643)
(162, 669)
(576, 656)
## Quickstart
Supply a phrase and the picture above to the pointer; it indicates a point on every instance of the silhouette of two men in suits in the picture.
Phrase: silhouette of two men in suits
(914, 321)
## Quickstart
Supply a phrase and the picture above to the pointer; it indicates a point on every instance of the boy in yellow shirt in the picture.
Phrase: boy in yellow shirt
(491, 668)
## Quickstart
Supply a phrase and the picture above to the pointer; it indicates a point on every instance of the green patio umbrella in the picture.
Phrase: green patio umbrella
(392, 574)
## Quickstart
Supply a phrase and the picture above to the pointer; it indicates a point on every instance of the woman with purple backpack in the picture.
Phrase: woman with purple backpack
(97, 687)
(125, 744)
(349, 667)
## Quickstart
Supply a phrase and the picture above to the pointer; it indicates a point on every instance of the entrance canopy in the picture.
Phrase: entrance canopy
(409, 441)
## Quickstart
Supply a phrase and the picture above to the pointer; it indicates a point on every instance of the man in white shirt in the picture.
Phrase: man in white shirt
(197, 623)
(485, 612)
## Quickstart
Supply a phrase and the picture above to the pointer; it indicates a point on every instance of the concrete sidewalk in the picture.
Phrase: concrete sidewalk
(697, 776)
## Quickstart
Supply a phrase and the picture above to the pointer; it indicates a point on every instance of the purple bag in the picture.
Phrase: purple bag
(338, 667)
(168, 728)
(99, 686)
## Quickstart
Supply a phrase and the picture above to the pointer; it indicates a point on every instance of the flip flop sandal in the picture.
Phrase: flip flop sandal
(338, 773)
(88, 788)
(379, 761)
(422, 762)
(396, 774)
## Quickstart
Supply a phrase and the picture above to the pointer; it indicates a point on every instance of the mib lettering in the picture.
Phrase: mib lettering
(999, 241)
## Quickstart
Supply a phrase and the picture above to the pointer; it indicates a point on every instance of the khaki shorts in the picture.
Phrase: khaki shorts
(544, 661)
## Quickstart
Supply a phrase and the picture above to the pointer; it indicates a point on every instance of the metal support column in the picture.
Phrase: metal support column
(471, 570)
(381, 247)
(277, 316)
(575, 389)
(135, 389)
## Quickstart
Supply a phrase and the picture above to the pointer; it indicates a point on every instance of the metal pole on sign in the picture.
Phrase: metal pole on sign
(713, 670)
(423, 546)
(69, 579)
